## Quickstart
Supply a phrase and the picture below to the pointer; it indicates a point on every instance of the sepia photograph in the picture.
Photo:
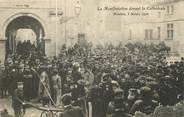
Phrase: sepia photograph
(91, 58)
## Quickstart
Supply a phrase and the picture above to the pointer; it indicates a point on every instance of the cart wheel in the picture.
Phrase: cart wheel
(47, 114)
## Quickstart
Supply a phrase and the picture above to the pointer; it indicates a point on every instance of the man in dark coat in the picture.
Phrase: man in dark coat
(17, 101)
(13, 79)
(145, 104)
(167, 91)
(95, 99)
(118, 106)
(28, 83)
(100, 96)
(2, 81)
(70, 110)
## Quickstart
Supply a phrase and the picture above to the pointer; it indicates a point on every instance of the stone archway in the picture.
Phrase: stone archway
(25, 23)
(25, 14)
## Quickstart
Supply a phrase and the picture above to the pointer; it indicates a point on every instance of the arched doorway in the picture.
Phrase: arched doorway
(23, 34)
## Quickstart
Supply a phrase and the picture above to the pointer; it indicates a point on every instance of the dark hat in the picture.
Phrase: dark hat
(66, 99)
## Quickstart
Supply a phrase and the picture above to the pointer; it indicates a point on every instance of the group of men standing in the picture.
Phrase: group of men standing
(101, 82)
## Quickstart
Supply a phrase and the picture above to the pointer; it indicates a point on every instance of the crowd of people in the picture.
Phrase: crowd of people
(114, 80)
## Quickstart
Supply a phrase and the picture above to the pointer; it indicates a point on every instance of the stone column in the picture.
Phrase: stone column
(48, 47)
(2, 50)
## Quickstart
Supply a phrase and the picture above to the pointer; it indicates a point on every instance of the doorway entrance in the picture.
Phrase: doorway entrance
(24, 37)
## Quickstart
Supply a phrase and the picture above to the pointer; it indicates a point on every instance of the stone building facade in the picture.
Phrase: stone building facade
(165, 25)
(58, 22)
